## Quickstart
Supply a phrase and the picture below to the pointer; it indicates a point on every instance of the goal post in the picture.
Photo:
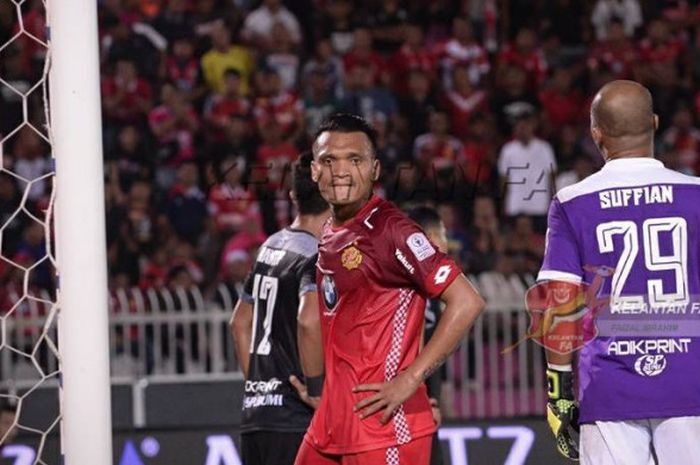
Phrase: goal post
(76, 133)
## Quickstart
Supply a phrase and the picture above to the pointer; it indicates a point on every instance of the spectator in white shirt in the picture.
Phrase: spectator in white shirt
(527, 168)
(258, 26)
(628, 11)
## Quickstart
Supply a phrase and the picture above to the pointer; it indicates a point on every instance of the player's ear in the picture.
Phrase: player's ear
(293, 196)
(376, 168)
(315, 171)
(597, 137)
(656, 121)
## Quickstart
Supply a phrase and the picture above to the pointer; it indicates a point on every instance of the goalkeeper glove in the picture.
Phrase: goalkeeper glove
(562, 412)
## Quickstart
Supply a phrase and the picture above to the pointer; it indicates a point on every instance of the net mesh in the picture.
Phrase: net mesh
(29, 360)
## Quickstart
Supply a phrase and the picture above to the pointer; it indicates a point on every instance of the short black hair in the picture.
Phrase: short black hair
(232, 72)
(347, 122)
(426, 217)
(309, 200)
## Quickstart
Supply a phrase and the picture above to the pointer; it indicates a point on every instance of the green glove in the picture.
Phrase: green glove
(562, 412)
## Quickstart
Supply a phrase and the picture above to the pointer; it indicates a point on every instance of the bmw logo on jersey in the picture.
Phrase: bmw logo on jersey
(330, 293)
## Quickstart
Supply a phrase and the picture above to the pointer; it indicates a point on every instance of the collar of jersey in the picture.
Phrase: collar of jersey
(373, 200)
(626, 163)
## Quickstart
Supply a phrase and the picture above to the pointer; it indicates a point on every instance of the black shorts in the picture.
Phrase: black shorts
(270, 447)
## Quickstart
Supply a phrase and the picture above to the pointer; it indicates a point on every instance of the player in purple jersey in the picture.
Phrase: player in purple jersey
(629, 231)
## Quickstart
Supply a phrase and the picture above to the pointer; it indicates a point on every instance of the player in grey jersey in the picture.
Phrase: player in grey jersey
(630, 232)
(277, 334)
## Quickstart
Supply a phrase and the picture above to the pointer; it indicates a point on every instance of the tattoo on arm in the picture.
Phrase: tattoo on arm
(431, 369)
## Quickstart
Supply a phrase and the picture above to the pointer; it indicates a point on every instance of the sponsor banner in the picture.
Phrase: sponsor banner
(514, 442)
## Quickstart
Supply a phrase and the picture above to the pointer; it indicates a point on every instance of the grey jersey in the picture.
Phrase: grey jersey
(284, 270)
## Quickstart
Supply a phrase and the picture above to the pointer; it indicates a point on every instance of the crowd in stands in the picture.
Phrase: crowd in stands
(481, 107)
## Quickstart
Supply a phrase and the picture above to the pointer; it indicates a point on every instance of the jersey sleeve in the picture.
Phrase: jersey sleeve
(562, 260)
(416, 262)
(307, 281)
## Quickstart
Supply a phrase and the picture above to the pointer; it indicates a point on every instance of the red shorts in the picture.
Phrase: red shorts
(416, 452)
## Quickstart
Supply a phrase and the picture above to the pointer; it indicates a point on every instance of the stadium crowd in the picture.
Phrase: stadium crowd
(477, 103)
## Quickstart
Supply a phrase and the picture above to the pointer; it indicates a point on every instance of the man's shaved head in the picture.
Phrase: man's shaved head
(623, 108)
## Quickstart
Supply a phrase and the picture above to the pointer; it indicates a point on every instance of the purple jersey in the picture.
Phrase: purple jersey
(635, 223)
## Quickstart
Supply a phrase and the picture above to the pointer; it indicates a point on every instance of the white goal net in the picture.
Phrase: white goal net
(28, 306)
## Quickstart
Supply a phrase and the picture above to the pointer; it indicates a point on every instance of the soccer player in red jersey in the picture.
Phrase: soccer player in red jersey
(375, 269)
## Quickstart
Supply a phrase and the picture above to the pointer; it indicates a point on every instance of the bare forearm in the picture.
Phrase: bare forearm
(309, 336)
(241, 326)
(311, 351)
(242, 343)
(459, 315)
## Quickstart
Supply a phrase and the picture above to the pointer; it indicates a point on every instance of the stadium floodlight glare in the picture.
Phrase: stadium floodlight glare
(76, 136)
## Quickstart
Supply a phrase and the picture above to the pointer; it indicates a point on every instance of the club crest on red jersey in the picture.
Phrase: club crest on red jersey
(351, 258)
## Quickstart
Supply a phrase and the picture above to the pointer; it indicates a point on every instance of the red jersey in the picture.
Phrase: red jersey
(233, 207)
(618, 58)
(532, 62)
(374, 273)
(461, 107)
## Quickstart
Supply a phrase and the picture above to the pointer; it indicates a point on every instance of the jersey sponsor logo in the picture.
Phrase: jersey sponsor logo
(270, 256)
(261, 394)
(404, 261)
(351, 258)
(262, 387)
(330, 293)
(420, 246)
(649, 346)
(650, 365)
(442, 274)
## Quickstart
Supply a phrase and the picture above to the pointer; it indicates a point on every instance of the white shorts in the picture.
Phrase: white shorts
(660, 441)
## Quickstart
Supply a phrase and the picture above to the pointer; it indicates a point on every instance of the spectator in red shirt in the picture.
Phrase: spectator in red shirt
(34, 23)
(127, 97)
(480, 155)
(617, 53)
(659, 55)
(220, 109)
(525, 54)
(438, 149)
(362, 52)
(561, 102)
(464, 50)
(155, 270)
(273, 102)
(662, 67)
(233, 207)
(274, 157)
(183, 255)
(683, 139)
(174, 124)
(183, 69)
(463, 101)
(413, 55)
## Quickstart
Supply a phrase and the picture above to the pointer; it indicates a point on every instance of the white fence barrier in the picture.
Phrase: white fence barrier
(184, 334)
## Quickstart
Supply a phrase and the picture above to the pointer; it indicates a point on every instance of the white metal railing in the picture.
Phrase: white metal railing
(183, 334)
